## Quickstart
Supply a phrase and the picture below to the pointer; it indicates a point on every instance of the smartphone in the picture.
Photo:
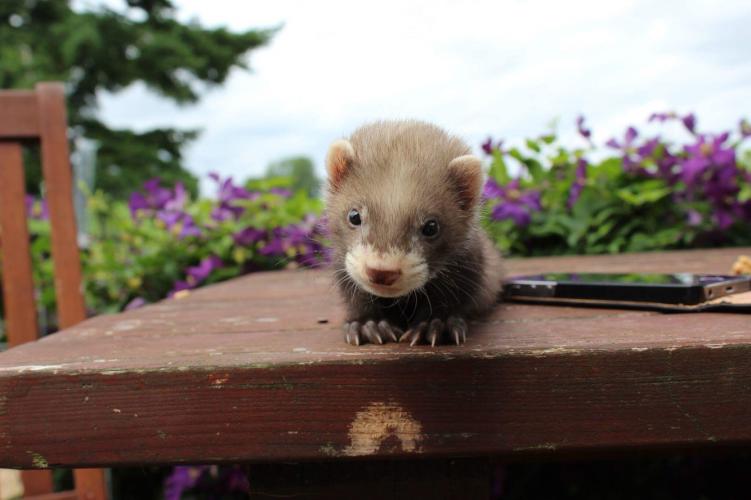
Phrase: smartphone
(625, 288)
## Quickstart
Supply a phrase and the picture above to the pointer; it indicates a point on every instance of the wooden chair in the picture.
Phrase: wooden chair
(40, 115)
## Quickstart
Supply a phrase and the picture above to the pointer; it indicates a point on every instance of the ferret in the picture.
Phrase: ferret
(410, 258)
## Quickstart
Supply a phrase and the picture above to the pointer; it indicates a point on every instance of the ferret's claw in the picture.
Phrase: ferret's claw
(434, 331)
(458, 328)
(375, 332)
(389, 331)
(370, 330)
(415, 334)
(352, 333)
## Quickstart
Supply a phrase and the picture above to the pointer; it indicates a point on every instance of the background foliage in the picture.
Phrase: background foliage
(637, 193)
(103, 49)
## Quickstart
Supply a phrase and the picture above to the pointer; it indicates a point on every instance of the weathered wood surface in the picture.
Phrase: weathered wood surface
(255, 369)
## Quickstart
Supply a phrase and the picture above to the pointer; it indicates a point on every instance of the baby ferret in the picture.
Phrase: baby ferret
(410, 257)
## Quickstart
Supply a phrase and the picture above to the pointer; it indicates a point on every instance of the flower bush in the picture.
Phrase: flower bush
(163, 243)
(643, 193)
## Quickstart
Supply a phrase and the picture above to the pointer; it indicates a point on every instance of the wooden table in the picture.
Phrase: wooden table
(256, 370)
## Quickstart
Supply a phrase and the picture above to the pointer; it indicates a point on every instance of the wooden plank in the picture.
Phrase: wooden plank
(255, 369)
(19, 115)
(18, 284)
(58, 190)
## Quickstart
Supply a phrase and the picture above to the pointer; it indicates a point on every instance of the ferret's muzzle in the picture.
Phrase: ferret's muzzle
(386, 274)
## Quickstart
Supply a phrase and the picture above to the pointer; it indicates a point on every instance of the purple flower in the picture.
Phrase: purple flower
(178, 198)
(492, 190)
(662, 117)
(580, 179)
(137, 202)
(182, 479)
(207, 481)
(648, 148)
(689, 121)
(583, 131)
(180, 223)
(694, 218)
(199, 273)
(488, 147)
(723, 218)
(628, 149)
(514, 203)
(248, 236)
(302, 242)
(36, 209)
(517, 212)
(228, 195)
(710, 172)
(167, 205)
(276, 245)
(628, 140)
(705, 152)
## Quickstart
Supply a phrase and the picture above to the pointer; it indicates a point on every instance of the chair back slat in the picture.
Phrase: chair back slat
(40, 115)
(18, 284)
(36, 483)
(18, 109)
(58, 191)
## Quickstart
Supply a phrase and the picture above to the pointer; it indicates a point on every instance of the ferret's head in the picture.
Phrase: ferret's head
(402, 201)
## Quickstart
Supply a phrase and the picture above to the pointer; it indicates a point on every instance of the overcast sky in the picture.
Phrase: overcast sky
(505, 68)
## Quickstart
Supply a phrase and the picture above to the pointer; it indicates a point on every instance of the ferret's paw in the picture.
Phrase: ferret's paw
(437, 331)
(357, 333)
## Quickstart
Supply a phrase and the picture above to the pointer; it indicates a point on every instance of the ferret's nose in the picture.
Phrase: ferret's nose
(383, 276)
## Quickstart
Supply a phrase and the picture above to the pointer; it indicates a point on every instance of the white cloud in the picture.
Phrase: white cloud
(477, 68)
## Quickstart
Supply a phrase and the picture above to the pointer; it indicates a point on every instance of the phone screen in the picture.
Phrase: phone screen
(686, 279)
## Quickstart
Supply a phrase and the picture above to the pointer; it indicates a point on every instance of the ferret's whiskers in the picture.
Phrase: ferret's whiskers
(430, 306)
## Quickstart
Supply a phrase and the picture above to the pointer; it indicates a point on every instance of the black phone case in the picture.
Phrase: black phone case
(735, 292)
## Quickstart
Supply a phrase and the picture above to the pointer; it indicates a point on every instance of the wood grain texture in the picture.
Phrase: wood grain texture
(255, 369)
(19, 117)
(18, 284)
(53, 132)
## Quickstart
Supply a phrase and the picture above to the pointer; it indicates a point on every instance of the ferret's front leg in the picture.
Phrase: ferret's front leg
(452, 330)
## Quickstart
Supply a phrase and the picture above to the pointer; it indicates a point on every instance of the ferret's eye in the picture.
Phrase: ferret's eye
(354, 217)
(430, 228)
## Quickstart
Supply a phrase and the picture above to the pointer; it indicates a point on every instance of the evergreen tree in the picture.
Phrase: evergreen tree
(105, 49)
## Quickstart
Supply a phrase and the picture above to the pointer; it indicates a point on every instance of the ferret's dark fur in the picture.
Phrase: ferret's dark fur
(398, 283)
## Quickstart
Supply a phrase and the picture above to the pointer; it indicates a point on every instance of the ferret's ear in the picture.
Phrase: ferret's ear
(466, 175)
(339, 161)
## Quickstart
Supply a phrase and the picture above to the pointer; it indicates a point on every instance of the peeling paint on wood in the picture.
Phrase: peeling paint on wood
(377, 423)
(37, 460)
